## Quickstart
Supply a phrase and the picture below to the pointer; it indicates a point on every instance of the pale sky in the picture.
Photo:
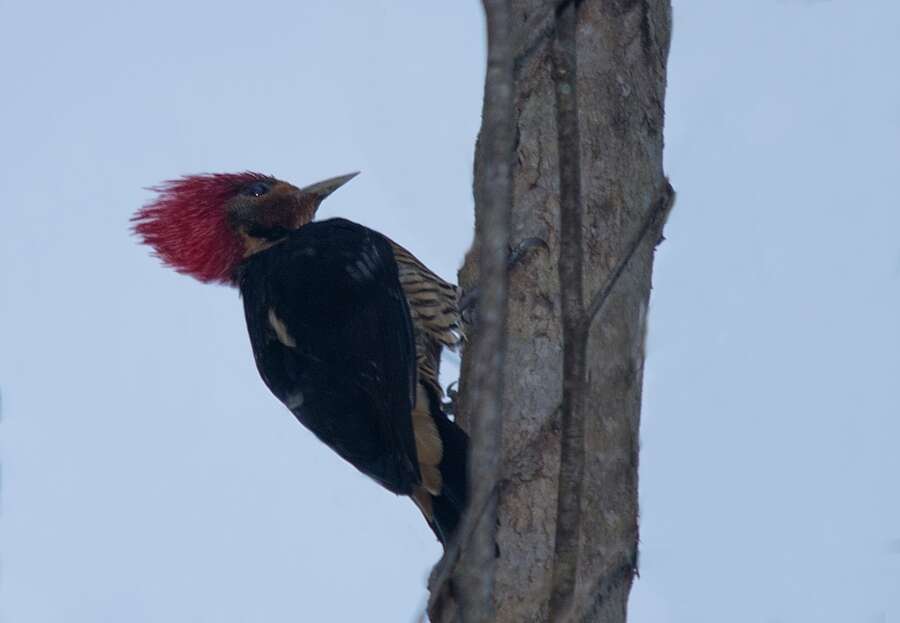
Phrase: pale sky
(148, 476)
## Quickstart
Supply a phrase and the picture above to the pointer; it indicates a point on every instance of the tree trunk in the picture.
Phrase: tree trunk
(621, 48)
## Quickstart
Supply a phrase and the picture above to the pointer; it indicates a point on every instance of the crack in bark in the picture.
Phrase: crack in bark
(571, 460)
(542, 35)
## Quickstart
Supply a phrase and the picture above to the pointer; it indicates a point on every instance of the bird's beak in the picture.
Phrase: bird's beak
(318, 191)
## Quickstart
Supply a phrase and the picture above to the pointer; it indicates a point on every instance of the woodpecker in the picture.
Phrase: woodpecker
(346, 326)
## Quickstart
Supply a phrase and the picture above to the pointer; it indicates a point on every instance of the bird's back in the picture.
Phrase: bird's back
(333, 340)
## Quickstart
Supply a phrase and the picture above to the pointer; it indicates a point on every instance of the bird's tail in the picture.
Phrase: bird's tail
(448, 507)
(443, 463)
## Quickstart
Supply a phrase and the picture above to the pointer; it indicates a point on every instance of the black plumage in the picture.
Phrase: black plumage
(333, 339)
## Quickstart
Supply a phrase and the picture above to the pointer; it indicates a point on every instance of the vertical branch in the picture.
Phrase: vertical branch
(571, 469)
(474, 577)
(579, 475)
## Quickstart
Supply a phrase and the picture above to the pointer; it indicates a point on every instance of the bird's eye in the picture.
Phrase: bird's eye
(256, 189)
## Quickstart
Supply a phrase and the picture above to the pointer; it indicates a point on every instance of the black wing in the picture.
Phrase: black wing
(333, 340)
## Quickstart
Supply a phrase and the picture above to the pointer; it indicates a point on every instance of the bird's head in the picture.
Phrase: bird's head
(204, 225)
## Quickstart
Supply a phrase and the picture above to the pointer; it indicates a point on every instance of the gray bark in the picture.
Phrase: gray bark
(622, 48)
(474, 576)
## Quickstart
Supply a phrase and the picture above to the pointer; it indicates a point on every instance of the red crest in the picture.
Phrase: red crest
(187, 225)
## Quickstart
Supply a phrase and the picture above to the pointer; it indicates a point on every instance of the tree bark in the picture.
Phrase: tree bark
(570, 479)
(621, 48)
(474, 576)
